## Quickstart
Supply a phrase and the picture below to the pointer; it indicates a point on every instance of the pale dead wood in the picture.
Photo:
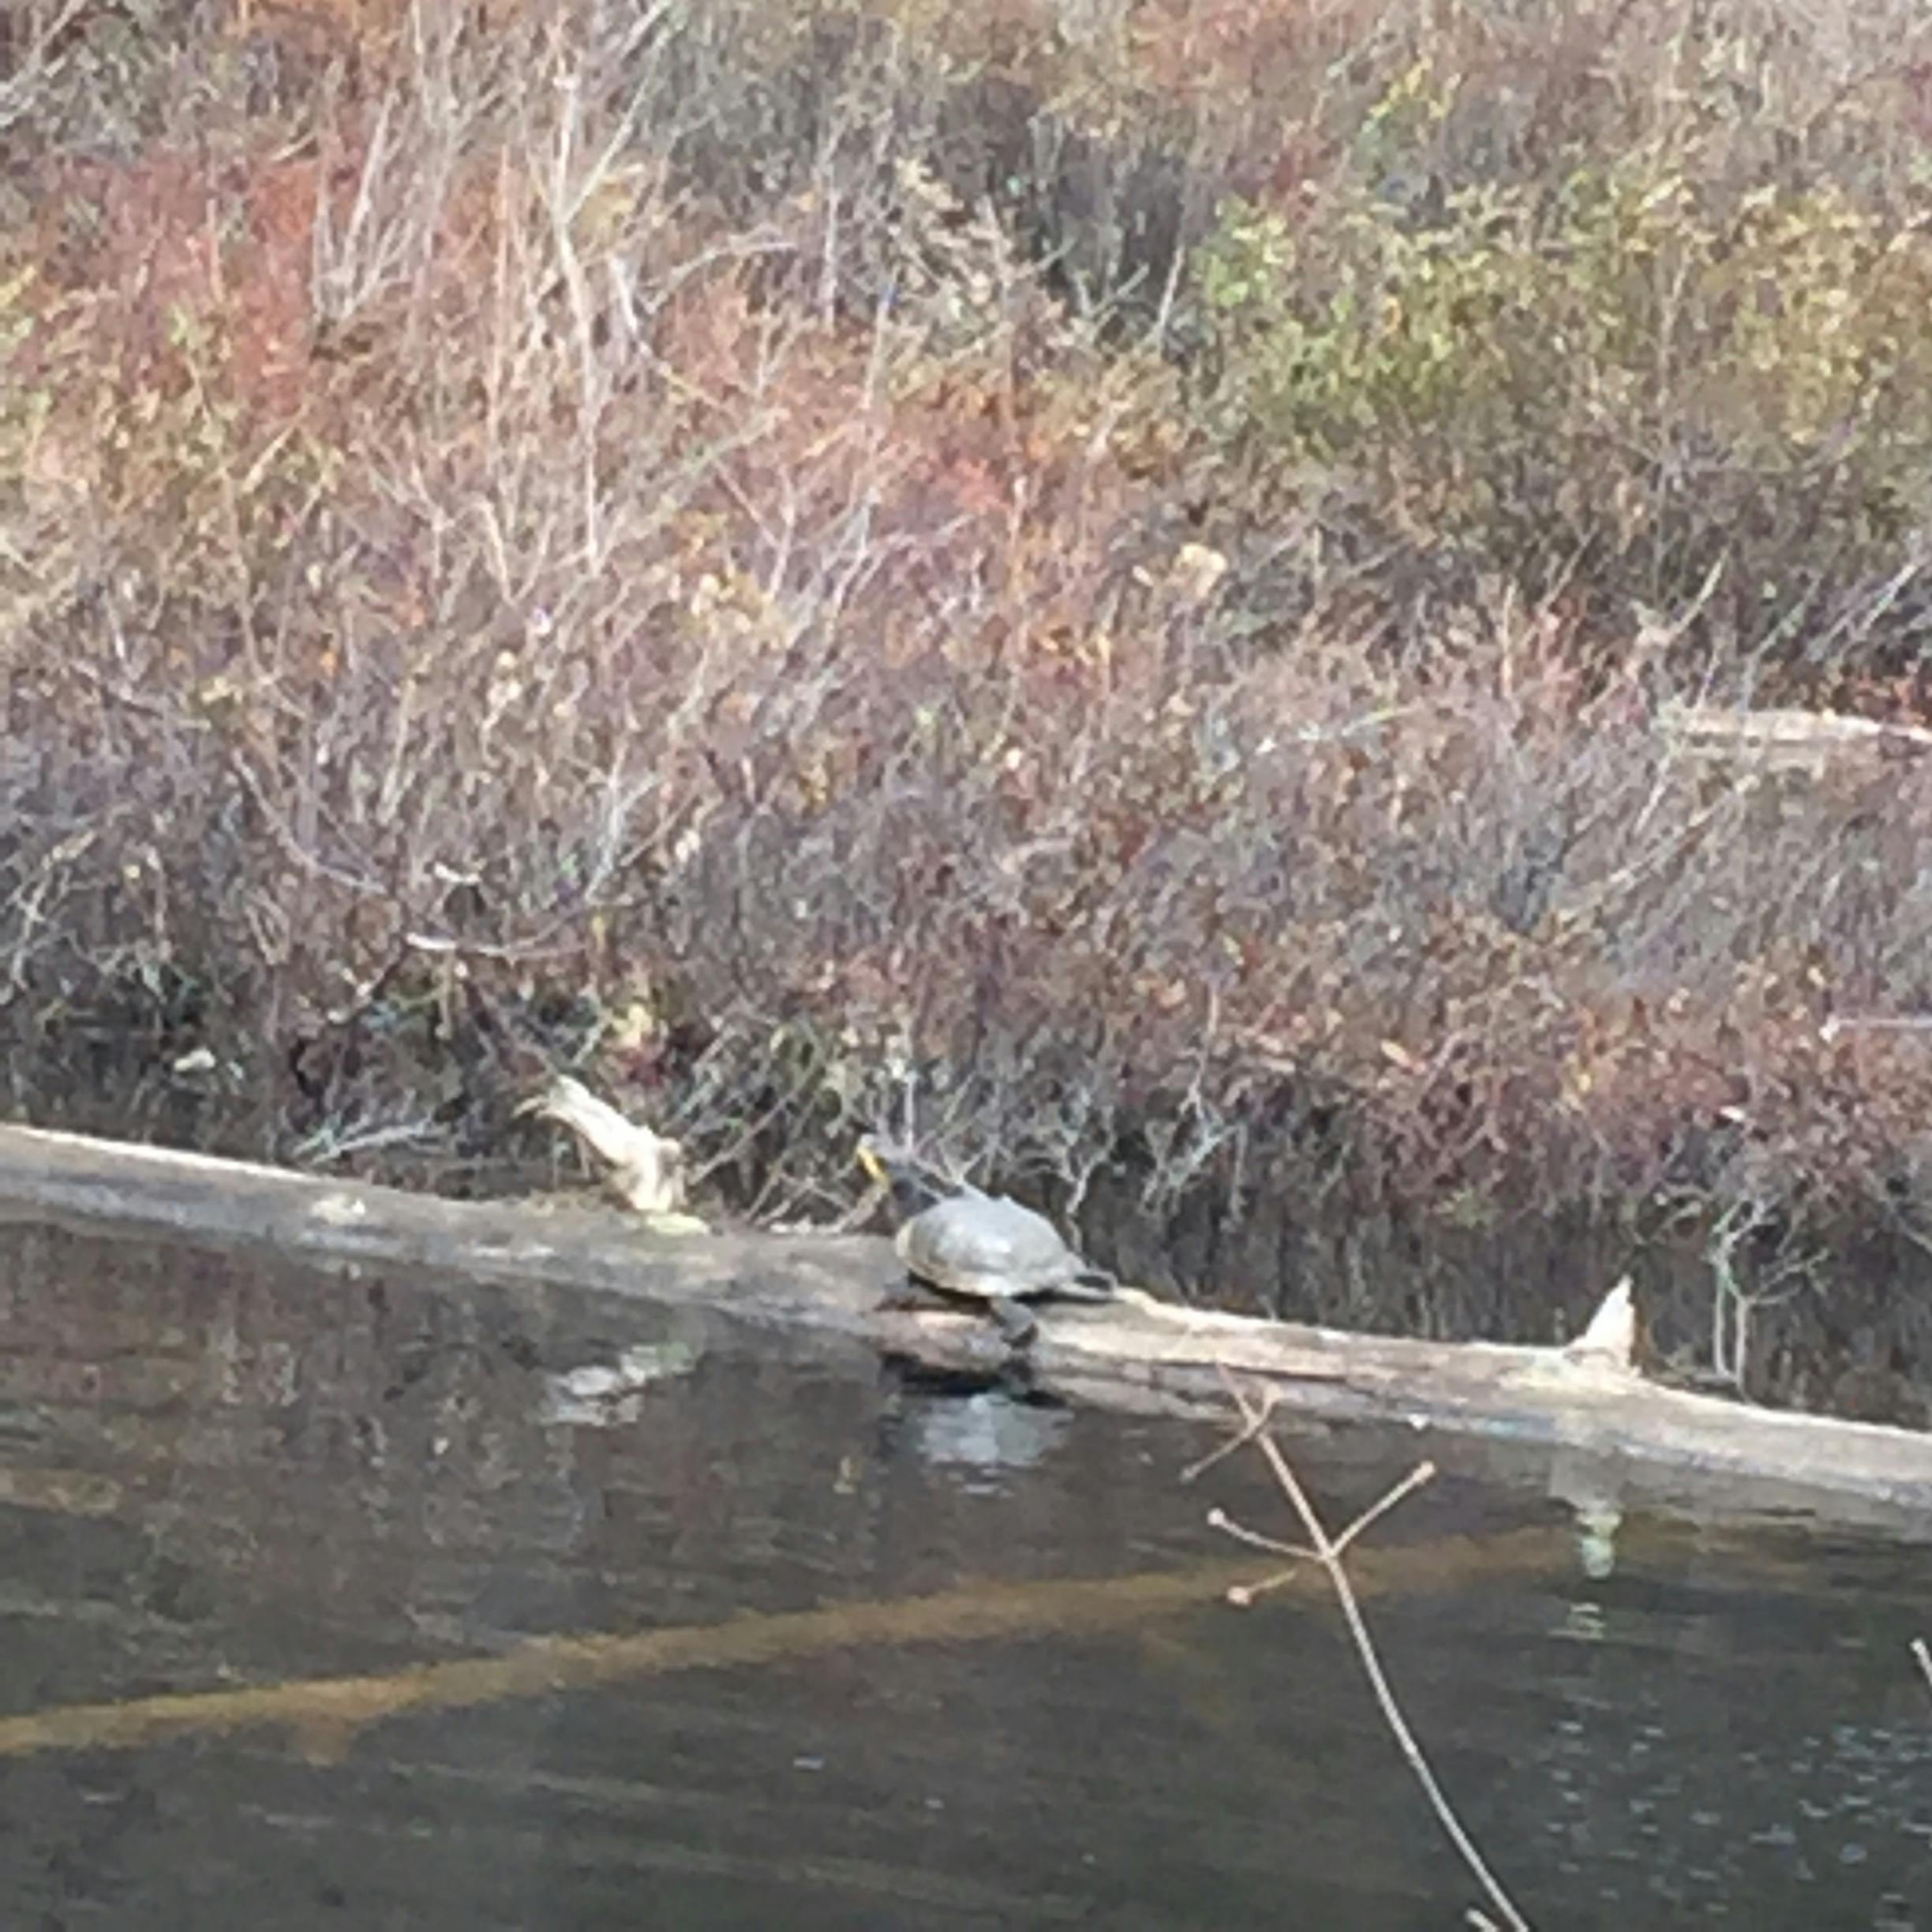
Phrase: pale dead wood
(647, 1169)
(1778, 740)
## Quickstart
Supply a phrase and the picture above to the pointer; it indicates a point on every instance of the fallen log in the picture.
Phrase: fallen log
(1789, 740)
(1584, 1409)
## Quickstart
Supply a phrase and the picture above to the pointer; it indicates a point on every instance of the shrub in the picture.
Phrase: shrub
(557, 539)
(1626, 379)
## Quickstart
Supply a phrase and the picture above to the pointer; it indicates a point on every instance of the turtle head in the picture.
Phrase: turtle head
(912, 1184)
(872, 1158)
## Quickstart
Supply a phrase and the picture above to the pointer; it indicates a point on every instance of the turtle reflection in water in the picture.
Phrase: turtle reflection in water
(968, 1246)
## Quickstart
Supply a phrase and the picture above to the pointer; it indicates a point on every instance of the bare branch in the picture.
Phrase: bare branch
(1327, 1553)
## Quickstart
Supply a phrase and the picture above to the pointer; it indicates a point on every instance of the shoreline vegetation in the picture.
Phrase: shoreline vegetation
(1302, 637)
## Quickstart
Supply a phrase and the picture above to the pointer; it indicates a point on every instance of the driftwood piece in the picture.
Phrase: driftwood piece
(647, 1169)
(1138, 1353)
(1788, 739)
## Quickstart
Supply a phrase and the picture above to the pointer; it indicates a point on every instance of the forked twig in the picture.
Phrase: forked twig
(1195, 1470)
(1422, 1472)
(1328, 1552)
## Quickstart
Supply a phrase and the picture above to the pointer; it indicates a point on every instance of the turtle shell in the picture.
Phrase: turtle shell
(987, 1247)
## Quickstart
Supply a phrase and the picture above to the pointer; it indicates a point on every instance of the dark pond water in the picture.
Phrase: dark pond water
(352, 1600)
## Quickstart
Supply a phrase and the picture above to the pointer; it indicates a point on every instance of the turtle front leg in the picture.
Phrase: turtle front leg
(910, 1293)
(1016, 1320)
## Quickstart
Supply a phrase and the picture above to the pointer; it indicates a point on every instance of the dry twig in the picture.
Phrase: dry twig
(1328, 1551)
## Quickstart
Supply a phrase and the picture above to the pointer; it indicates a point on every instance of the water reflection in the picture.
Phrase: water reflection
(611, 1394)
(986, 1436)
(350, 1599)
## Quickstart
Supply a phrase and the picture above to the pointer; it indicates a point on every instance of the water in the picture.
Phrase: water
(280, 1552)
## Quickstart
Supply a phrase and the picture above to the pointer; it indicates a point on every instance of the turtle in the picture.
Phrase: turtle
(966, 1245)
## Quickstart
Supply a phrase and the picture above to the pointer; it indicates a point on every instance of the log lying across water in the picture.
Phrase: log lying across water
(1585, 1406)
